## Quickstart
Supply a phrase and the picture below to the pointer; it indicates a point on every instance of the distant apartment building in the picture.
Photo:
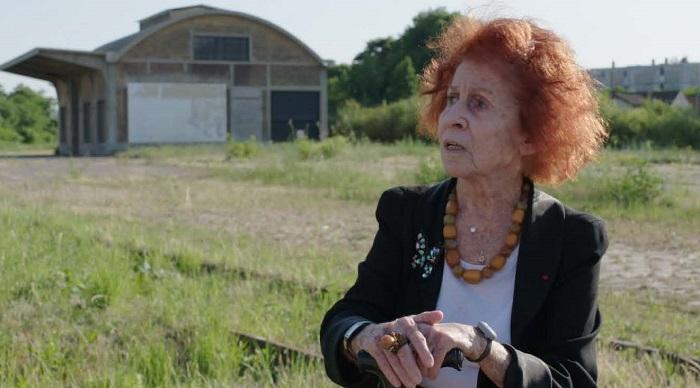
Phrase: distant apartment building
(666, 76)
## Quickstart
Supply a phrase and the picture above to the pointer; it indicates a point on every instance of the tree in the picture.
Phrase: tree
(380, 72)
(26, 114)
(338, 88)
(403, 82)
(370, 71)
(427, 25)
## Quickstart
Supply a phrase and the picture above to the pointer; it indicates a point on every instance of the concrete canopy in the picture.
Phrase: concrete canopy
(51, 64)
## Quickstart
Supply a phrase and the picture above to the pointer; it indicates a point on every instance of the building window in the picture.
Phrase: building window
(101, 123)
(221, 48)
(62, 124)
(87, 124)
(661, 71)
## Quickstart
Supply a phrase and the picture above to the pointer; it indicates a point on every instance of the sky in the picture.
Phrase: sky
(629, 32)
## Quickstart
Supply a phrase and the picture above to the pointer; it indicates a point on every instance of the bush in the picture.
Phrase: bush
(653, 124)
(7, 134)
(637, 186)
(242, 150)
(430, 171)
(325, 149)
(384, 123)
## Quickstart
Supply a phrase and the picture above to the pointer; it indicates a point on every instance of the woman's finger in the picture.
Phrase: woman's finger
(386, 368)
(429, 317)
(439, 354)
(420, 346)
(409, 364)
(398, 368)
(424, 370)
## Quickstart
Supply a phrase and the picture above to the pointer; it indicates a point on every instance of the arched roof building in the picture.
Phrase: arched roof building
(193, 74)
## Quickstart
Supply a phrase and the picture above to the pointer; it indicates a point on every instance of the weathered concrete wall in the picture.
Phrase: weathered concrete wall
(176, 113)
(247, 112)
(250, 75)
(295, 76)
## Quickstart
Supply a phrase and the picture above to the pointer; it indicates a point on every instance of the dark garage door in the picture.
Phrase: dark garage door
(301, 107)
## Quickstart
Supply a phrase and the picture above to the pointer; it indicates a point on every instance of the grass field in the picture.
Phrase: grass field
(138, 270)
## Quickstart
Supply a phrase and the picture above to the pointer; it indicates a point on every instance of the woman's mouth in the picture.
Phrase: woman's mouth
(452, 146)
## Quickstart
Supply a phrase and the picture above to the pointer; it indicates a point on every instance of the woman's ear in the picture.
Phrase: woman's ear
(527, 148)
(523, 142)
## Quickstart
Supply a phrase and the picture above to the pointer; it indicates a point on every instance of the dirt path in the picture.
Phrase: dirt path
(297, 216)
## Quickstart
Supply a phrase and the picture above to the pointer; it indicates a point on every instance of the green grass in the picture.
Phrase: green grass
(77, 312)
(173, 151)
(644, 318)
(15, 148)
(83, 305)
(127, 286)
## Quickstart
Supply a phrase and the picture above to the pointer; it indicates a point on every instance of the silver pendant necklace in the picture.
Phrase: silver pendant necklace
(481, 259)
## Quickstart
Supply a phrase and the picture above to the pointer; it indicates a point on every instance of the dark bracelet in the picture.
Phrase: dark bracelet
(483, 354)
(484, 331)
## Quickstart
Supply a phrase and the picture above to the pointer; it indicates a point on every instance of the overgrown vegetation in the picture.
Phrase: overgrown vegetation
(430, 171)
(636, 186)
(386, 122)
(654, 124)
(242, 149)
(324, 149)
(26, 116)
(141, 278)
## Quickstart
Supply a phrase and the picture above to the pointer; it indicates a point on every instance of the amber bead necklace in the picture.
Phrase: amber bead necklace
(449, 232)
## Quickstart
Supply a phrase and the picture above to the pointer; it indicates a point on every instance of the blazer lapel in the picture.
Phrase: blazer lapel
(538, 260)
(431, 217)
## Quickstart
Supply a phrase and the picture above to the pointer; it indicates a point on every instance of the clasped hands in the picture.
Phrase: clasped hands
(429, 341)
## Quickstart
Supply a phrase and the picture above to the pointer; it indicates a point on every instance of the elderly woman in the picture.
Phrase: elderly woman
(484, 261)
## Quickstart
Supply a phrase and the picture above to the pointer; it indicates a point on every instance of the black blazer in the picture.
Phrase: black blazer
(555, 316)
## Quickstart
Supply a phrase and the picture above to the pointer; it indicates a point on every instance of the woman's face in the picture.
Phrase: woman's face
(479, 129)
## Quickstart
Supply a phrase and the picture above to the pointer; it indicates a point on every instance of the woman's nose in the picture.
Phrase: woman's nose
(460, 123)
(456, 120)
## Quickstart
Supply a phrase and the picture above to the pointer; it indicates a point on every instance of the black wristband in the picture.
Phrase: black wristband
(348, 338)
(484, 331)
(357, 331)
(483, 354)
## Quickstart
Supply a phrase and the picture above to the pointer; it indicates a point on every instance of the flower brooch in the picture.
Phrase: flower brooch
(424, 259)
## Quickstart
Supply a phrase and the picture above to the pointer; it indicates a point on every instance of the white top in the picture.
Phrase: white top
(490, 301)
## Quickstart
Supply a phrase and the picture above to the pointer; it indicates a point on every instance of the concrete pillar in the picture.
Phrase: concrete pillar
(111, 107)
(323, 101)
(267, 130)
(93, 113)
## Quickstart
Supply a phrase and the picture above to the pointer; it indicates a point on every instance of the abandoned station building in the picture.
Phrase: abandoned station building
(189, 75)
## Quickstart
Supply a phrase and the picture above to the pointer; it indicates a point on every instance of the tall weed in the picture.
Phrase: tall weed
(430, 170)
(638, 185)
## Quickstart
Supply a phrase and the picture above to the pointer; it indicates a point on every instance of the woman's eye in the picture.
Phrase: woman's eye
(452, 98)
(477, 103)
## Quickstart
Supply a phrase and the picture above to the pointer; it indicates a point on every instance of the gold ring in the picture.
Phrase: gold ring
(393, 341)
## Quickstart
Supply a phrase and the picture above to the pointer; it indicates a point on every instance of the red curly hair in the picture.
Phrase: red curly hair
(558, 104)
